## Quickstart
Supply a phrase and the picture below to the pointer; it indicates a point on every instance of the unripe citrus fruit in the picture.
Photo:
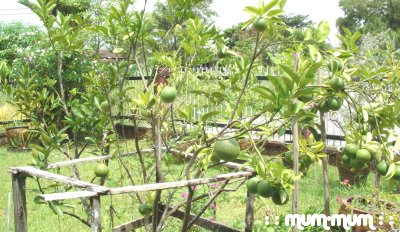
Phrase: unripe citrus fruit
(337, 84)
(144, 113)
(214, 158)
(265, 188)
(382, 168)
(306, 98)
(227, 149)
(334, 104)
(280, 197)
(355, 163)
(351, 149)
(363, 155)
(323, 106)
(289, 157)
(260, 24)
(101, 170)
(396, 175)
(345, 159)
(168, 94)
(145, 209)
(221, 53)
(252, 185)
(307, 159)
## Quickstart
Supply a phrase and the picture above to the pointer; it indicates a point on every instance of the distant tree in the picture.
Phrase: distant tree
(370, 16)
(15, 38)
(167, 15)
(172, 12)
(72, 6)
(243, 40)
(296, 21)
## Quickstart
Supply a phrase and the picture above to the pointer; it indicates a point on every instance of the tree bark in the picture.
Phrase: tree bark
(249, 212)
(19, 198)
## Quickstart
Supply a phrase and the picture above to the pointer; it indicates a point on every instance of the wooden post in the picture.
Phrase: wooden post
(249, 212)
(325, 175)
(295, 200)
(9, 212)
(95, 214)
(19, 198)
(295, 133)
(327, 210)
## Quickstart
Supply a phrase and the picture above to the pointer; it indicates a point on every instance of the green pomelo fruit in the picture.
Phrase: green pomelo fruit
(265, 188)
(101, 170)
(260, 24)
(168, 94)
(227, 149)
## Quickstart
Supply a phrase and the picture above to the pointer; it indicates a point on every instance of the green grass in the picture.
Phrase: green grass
(230, 205)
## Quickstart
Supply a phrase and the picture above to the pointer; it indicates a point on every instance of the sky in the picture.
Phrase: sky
(230, 12)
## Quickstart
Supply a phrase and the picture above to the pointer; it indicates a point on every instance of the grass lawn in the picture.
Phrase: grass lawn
(230, 205)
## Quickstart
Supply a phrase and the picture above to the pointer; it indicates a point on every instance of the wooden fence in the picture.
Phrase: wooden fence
(94, 193)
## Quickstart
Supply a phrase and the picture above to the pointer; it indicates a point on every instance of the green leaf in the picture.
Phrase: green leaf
(314, 53)
(275, 12)
(288, 82)
(269, 6)
(265, 92)
(322, 32)
(308, 34)
(277, 82)
(282, 4)
(289, 70)
(391, 171)
(56, 209)
(397, 144)
(313, 70)
(252, 10)
(209, 115)
(77, 113)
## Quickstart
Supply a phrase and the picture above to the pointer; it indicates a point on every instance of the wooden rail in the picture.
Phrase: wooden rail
(179, 214)
(31, 171)
(91, 159)
(178, 184)
(13, 121)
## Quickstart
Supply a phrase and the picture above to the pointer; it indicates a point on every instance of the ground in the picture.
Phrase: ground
(41, 218)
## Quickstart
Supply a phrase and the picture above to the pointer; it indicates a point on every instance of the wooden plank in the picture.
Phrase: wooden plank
(11, 122)
(67, 195)
(178, 184)
(91, 159)
(19, 199)
(95, 214)
(202, 222)
(31, 171)
(133, 225)
(232, 165)
(287, 131)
